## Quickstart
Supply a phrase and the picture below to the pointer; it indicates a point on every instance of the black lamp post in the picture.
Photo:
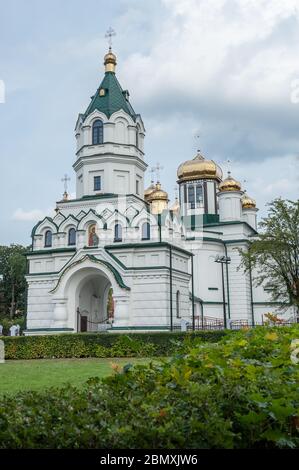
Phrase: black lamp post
(223, 260)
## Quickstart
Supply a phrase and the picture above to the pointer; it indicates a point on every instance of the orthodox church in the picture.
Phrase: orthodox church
(118, 257)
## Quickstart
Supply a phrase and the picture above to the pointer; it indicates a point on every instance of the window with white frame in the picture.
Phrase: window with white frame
(195, 195)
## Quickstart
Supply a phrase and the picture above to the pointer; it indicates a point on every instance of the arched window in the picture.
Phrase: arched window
(48, 239)
(72, 237)
(178, 306)
(146, 231)
(118, 233)
(97, 132)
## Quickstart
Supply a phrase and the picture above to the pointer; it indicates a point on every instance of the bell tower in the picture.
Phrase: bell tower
(110, 141)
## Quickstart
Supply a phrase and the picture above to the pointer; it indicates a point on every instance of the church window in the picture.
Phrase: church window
(72, 237)
(118, 233)
(48, 239)
(146, 231)
(199, 195)
(137, 187)
(97, 183)
(191, 197)
(137, 137)
(97, 132)
(178, 306)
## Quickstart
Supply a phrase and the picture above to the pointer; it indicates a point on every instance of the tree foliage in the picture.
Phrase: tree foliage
(273, 255)
(13, 282)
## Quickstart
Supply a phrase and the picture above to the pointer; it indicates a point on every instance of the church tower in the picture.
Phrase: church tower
(110, 141)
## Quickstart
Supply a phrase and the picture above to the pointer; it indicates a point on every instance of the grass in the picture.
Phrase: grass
(16, 376)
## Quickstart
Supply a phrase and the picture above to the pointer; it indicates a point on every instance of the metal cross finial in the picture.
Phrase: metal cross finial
(228, 161)
(158, 170)
(197, 137)
(153, 170)
(176, 192)
(109, 34)
(65, 180)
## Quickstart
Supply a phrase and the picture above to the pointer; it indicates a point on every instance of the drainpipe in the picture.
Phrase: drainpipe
(192, 281)
(170, 272)
(160, 229)
(202, 315)
(251, 295)
(227, 283)
(26, 294)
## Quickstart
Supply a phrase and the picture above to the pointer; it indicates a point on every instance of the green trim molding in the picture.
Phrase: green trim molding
(50, 252)
(92, 258)
(48, 329)
(147, 245)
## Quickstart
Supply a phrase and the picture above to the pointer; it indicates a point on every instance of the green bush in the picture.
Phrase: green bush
(102, 344)
(239, 393)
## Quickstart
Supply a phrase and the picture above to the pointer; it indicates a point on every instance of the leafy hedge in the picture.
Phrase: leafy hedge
(102, 345)
(239, 393)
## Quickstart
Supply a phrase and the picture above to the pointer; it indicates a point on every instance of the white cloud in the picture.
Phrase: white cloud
(33, 215)
(233, 50)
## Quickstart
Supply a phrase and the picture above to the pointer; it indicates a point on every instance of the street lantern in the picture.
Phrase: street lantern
(223, 260)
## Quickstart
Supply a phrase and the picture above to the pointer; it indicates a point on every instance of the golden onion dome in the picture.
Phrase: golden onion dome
(110, 61)
(175, 206)
(199, 168)
(229, 184)
(248, 202)
(158, 194)
(148, 191)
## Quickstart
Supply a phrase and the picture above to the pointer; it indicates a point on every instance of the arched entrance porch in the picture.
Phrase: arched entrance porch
(92, 302)
(87, 293)
(83, 291)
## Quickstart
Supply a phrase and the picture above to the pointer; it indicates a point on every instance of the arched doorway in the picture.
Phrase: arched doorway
(87, 292)
(92, 302)
(85, 289)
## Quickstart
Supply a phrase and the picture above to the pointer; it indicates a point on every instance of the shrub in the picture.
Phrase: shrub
(239, 393)
(102, 344)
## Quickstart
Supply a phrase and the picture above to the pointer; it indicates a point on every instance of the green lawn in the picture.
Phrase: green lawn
(18, 376)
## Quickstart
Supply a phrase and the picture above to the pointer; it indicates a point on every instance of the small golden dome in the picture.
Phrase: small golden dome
(148, 191)
(110, 61)
(158, 200)
(229, 184)
(248, 202)
(158, 194)
(199, 168)
(175, 206)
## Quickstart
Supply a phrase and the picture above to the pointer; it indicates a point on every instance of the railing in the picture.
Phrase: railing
(214, 324)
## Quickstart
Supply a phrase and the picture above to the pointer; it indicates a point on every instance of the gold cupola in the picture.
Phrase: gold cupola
(158, 200)
(148, 191)
(110, 61)
(248, 202)
(229, 184)
(175, 208)
(199, 168)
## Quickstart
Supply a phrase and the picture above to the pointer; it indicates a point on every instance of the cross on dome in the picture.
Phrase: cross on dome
(158, 169)
(109, 35)
(65, 180)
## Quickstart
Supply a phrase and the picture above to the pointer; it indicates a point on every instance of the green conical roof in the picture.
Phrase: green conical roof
(111, 99)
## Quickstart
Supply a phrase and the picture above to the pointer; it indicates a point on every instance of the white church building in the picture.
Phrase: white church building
(117, 257)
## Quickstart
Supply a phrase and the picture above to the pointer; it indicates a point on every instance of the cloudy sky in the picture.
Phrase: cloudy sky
(226, 70)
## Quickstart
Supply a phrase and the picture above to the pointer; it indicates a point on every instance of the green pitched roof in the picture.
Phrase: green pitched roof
(113, 100)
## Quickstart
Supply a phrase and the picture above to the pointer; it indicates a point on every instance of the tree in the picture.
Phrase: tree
(13, 282)
(274, 253)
